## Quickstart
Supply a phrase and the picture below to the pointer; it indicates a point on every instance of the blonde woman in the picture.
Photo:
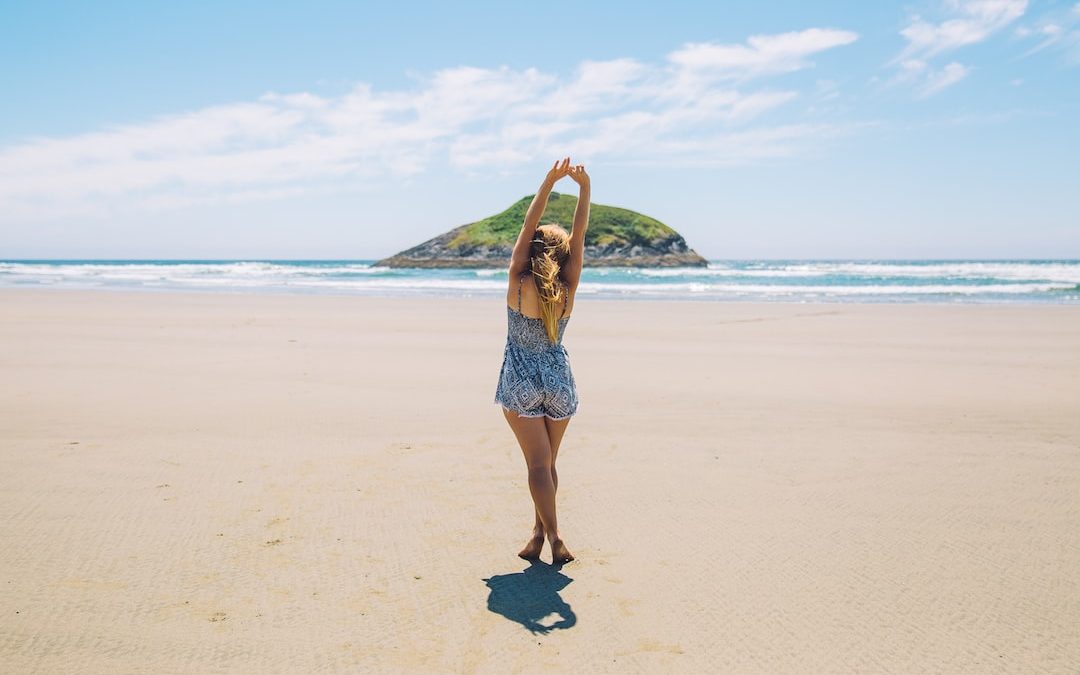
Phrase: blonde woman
(536, 387)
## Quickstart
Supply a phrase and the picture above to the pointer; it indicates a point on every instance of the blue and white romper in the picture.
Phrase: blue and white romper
(535, 380)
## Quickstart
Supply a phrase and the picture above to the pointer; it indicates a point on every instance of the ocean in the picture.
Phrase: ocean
(811, 281)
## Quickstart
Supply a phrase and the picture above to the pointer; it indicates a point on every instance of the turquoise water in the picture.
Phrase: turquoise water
(936, 281)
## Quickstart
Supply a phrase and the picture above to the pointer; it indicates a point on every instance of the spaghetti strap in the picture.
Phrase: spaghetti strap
(521, 279)
(566, 300)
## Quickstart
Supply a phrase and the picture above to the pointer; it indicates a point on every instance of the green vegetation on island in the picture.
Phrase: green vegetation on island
(616, 237)
(608, 225)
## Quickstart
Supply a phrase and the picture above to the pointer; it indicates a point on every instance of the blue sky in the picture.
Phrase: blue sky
(936, 129)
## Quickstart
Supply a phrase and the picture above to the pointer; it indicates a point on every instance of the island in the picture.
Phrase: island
(616, 237)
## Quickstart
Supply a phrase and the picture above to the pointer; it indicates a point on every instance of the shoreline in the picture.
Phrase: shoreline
(494, 295)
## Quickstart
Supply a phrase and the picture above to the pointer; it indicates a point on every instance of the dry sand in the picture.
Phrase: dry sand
(258, 483)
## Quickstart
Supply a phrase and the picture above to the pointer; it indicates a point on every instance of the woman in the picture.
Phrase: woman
(536, 388)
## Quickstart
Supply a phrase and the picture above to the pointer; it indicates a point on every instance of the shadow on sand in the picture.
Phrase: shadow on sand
(531, 598)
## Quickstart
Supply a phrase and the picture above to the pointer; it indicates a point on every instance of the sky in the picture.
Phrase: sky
(352, 130)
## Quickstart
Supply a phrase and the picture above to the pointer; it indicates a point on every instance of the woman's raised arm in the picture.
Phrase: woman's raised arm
(571, 271)
(519, 259)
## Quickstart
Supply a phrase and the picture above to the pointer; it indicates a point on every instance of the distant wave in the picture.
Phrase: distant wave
(1033, 281)
(1022, 271)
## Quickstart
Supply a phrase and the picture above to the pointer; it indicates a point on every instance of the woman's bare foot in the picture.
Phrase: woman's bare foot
(533, 548)
(559, 553)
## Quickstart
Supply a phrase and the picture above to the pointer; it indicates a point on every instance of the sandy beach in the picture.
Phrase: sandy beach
(271, 483)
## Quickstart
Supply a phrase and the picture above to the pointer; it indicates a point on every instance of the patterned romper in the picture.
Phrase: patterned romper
(535, 380)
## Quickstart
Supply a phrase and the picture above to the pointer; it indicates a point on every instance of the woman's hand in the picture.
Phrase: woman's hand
(578, 175)
(560, 170)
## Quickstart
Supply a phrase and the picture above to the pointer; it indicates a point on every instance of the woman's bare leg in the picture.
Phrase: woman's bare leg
(555, 429)
(532, 436)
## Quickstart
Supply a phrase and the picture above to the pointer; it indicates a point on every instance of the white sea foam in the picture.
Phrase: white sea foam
(777, 289)
(726, 272)
(402, 284)
(133, 270)
(814, 280)
(1018, 271)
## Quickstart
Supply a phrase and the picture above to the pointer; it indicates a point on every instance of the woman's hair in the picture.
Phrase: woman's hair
(549, 251)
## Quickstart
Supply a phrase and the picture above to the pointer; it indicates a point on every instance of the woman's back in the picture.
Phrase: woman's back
(530, 298)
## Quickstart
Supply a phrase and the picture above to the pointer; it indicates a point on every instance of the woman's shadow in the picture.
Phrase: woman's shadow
(531, 598)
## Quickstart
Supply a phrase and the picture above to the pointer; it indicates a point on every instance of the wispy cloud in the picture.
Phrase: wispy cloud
(947, 76)
(927, 79)
(967, 22)
(971, 21)
(1058, 29)
(761, 55)
(695, 108)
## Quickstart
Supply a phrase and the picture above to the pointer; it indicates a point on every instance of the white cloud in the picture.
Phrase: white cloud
(761, 55)
(909, 71)
(945, 77)
(465, 118)
(1057, 29)
(927, 79)
(969, 22)
(737, 147)
(973, 21)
